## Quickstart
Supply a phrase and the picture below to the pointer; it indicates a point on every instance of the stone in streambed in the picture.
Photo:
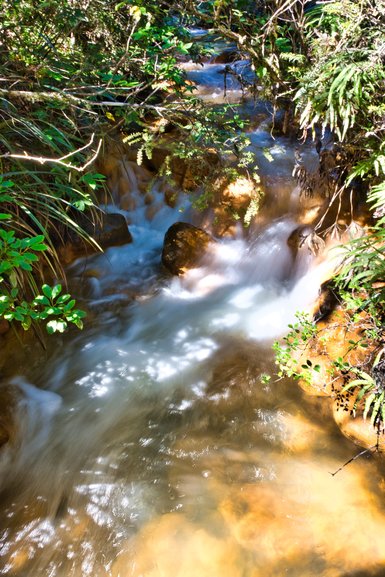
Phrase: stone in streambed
(113, 231)
(183, 247)
(110, 229)
(227, 56)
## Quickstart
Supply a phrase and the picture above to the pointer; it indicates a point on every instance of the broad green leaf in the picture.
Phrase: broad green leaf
(56, 291)
(47, 291)
(55, 326)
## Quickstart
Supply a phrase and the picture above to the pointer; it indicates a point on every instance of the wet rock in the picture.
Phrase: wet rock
(170, 193)
(159, 155)
(298, 236)
(227, 56)
(333, 340)
(124, 176)
(189, 173)
(322, 381)
(110, 229)
(305, 237)
(326, 303)
(183, 247)
(186, 173)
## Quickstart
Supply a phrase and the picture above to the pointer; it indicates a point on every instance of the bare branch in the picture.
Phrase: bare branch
(60, 161)
(73, 100)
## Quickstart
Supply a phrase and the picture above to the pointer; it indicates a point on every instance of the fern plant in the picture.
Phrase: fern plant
(369, 391)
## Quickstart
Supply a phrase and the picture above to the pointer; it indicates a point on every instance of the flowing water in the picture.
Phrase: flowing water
(149, 446)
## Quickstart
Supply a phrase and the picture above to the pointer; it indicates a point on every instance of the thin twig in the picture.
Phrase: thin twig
(354, 458)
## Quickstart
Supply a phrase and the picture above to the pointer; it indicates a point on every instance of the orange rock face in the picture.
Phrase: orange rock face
(335, 340)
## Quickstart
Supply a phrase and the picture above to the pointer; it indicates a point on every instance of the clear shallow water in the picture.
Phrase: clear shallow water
(148, 445)
(215, 86)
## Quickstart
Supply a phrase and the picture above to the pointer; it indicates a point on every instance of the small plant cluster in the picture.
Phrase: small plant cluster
(52, 306)
(294, 343)
(18, 255)
(362, 391)
(24, 254)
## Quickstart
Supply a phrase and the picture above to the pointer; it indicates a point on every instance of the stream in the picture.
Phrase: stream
(148, 444)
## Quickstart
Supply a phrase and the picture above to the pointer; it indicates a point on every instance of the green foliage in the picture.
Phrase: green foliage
(326, 62)
(69, 70)
(361, 278)
(72, 69)
(30, 205)
(51, 307)
(327, 58)
(342, 87)
(19, 255)
(293, 344)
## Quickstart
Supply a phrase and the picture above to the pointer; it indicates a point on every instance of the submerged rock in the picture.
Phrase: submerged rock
(173, 545)
(183, 247)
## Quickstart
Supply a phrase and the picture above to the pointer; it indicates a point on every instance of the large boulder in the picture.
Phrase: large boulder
(183, 247)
